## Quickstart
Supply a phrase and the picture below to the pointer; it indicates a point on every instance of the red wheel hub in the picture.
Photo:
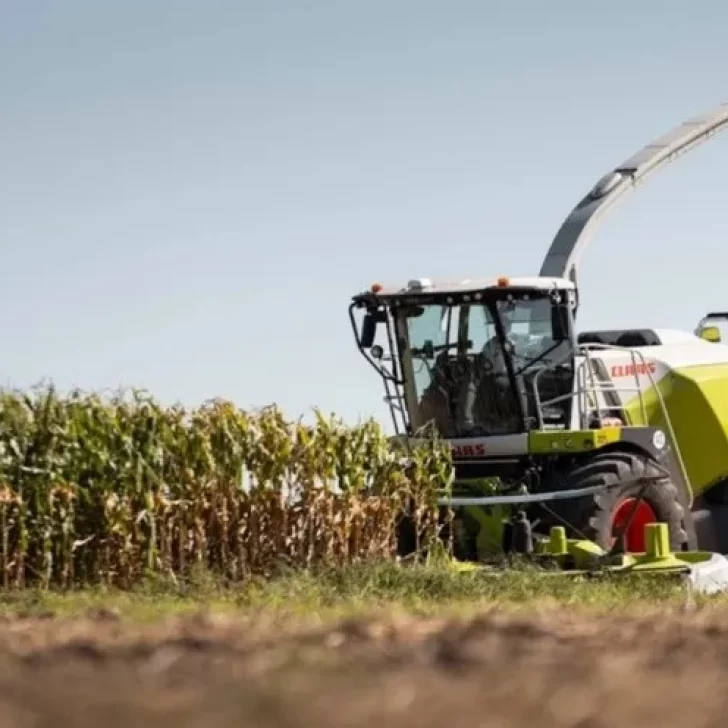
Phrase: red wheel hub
(635, 535)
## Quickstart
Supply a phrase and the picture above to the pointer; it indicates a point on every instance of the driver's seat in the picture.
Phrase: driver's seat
(434, 405)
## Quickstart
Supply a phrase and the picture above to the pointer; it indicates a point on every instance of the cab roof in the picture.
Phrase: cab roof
(468, 285)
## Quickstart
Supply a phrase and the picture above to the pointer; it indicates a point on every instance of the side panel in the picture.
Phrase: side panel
(696, 399)
(650, 439)
(555, 442)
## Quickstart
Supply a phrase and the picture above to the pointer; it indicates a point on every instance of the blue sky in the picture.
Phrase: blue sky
(192, 191)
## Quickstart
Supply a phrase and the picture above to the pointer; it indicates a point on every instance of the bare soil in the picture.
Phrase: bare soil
(551, 669)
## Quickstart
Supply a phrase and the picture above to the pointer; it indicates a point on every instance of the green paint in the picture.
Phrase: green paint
(490, 522)
(486, 521)
(544, 442)
(696, 399)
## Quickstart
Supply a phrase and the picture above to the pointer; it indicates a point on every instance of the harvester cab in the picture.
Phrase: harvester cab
(585, 440)
(478, 358)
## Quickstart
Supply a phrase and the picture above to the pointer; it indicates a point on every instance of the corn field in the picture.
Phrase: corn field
(107, 490)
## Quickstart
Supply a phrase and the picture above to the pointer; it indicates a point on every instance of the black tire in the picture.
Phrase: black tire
(592, 516)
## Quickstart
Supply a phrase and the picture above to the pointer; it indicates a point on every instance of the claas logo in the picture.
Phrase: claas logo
(468, 451)
(630, 370)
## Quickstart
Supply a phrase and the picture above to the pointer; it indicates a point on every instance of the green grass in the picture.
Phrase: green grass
(331, 593)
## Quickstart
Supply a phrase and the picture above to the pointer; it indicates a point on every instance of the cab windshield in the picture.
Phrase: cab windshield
(471, 379)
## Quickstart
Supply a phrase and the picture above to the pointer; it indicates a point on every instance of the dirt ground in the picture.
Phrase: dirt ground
(552, 669)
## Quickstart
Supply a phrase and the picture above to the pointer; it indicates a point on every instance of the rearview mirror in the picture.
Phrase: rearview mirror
(559, 322)
(368, 331)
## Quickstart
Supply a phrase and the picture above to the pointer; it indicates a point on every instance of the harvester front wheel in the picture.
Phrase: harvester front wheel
(600, 516)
